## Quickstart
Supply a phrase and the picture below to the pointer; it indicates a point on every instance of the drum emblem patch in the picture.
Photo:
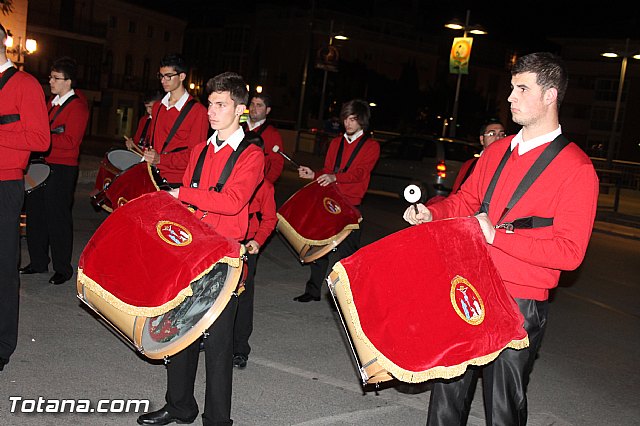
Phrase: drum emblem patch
(466, 301)
(173, 233)
(331, 205)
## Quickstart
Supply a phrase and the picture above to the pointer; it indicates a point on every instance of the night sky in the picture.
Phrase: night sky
(519, 23)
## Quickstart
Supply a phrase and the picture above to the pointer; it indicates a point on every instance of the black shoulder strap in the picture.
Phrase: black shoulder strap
(7, 75)
(145, 129)
(336, 167)
(469, 171)
(547, 156)
(231, 162)
(197, 171)
(262, 128)
(176, 125)
(67, 102)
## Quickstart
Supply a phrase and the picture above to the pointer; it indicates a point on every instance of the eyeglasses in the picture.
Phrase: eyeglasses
(51, 77)
(493, 133)
(167, 77)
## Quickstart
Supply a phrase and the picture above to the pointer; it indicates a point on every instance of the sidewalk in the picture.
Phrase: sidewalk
(625, 223)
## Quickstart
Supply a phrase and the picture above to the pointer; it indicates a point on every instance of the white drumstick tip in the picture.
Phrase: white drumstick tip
(412, 193)
(276, 148)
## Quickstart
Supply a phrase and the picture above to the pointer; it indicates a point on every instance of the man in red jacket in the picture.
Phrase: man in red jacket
(226, 208)
(49, 208)
(179, 122)
(544, 232)
(259, 109)
(141, 137)
(348, 164)
(23, 128)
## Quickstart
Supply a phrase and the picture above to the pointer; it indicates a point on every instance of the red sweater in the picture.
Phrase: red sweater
(354, 182)
(65, 146)
(462, 173)
(22, 95)
(530, 260)
(274, 162)
(192, 131)
(264, 204)
(141, 123)
(228, 210)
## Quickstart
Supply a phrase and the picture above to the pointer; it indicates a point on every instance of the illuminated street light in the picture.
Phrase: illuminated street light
(20, 51)
(331, 51)
(472, 29)
(611, 148)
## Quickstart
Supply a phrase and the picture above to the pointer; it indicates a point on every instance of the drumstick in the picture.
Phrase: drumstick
(412, 194)
(136, 150)
(276, 148)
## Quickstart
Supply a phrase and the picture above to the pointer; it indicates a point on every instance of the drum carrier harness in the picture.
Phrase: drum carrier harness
(336, 166)
(60, 129)
(549, 153)
(176, 125)
(226, 171)
(8, 118)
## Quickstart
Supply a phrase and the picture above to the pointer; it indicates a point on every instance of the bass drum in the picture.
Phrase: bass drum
(36, 175)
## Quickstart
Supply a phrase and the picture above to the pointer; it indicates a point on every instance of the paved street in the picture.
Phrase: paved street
(300, 371)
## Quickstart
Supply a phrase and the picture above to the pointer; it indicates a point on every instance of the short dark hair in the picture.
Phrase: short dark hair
(487, 122)
(67, 66)
(175, 61)
(549, 69)
(265, 98)
(360, 109)
(232, 83)
(3, 31)
(152, 96)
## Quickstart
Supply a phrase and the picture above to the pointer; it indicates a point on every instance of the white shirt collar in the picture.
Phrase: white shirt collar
(178, 105)
(6, 65)
(524, 147)
(59, 100)
(355, 136)
(253, 125)
(233, 141)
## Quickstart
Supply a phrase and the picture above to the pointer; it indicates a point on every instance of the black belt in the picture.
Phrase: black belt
(529, 222)
(9, 118)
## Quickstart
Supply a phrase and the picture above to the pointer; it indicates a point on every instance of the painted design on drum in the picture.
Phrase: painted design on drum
(178, 321)
(331, 205)
(122, 201)
(173, 233)
(466, 301)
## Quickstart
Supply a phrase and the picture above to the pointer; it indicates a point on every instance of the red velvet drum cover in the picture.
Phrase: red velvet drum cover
(317, 213)
(129, 184)
(144, 256)
(428, 301)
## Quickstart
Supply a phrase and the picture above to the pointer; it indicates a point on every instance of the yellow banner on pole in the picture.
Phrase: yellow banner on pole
(460, 55)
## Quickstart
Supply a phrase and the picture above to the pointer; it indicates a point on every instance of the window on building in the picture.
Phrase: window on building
(132, 27)
(150, 31)
(146, 71)
(167, 36)
(128, 65)
(113, 22)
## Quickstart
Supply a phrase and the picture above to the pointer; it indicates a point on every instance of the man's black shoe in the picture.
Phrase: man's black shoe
(29, 270)
(162, 417)
(58, 278)
(3, 362)
(306, 297)
(240, 361)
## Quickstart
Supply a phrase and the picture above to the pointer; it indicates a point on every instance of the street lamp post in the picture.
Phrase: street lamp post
(611, 148)
(20, 51)
(456, 100)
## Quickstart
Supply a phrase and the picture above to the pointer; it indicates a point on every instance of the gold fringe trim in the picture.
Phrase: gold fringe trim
(151, 311)
(405, 375)
(290, 228)
(153, 180)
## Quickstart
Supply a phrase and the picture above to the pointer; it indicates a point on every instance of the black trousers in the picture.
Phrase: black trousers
(319, 267)
(12, 198)
(504, 381)
(182, 368)
(243, 326)
(50, 221)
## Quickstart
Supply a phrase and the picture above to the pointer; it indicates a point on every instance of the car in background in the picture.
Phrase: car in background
(430, 162)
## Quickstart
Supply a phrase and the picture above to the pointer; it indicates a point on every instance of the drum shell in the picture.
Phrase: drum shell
(133, 327)
(108, 169)
(370, 369)
(35, 176)
(308, 252)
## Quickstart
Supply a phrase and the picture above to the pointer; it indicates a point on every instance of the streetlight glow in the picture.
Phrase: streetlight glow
(31, 45)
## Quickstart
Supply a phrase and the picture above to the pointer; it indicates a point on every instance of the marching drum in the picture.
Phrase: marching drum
(36, 175)
(425, 303)
(135, 181)
(165, 290)
(315, 220)
(114, 162)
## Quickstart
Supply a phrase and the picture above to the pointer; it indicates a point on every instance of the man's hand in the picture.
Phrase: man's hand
(415, 218)
(175, 192)
(326, 179)
(129, 143)
(253, 247)
(305, 172)
(487, 227)
(151, 156)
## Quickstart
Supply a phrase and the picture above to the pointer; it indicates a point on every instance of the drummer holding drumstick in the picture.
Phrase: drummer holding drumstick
(349, 161)
(226, 208)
